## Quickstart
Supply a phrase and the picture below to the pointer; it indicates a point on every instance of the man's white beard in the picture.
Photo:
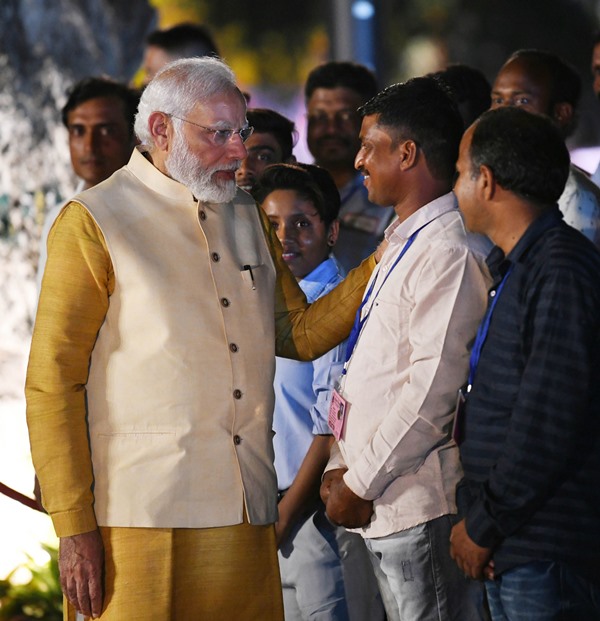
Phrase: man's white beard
(183, 166)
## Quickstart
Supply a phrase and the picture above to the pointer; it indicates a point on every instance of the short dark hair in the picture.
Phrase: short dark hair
(563, 79)
(469, 88)
(270, 122)
(184, 40)
(95, 87)
(343, 74)
(311, 182)
(421, 110)
(525, 152)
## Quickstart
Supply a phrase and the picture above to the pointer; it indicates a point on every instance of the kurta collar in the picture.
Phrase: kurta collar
(143, 169)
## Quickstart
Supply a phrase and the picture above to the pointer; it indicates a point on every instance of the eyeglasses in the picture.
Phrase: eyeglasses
(221, 136)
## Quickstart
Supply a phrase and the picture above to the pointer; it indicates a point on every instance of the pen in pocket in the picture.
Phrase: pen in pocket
(249, 269)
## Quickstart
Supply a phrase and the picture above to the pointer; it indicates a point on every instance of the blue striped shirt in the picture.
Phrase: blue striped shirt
(531, 453)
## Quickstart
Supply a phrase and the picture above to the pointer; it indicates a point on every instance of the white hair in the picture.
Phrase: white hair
(179, 86)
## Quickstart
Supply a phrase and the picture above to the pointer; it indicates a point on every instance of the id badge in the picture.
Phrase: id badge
(458, 427)
(338, 408)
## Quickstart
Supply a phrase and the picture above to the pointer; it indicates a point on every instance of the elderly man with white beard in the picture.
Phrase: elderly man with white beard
(149, 387)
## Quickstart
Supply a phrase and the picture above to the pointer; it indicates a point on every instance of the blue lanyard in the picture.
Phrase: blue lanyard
(482, 332)
(360, 322)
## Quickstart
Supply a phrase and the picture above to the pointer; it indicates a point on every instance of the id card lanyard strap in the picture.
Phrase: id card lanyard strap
(482, 332)
(360, 322)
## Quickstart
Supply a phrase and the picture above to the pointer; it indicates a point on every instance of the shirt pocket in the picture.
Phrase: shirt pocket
(385, 335)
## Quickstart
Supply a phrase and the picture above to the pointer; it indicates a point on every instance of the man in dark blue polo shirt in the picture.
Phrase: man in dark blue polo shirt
(531, 422)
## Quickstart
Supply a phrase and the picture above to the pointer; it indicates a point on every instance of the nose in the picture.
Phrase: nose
(236, 147)
(331, 123)
(280, 233)
(359, 160)
(90, 141)
(286, 233)
(242, 171)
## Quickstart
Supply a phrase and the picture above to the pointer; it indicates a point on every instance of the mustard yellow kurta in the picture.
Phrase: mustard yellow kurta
(187, 574)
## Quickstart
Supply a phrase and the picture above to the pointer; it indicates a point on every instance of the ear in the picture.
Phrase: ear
(408, 153)
(333, 232)
(562, 113)
(486, 183)
(161, 130)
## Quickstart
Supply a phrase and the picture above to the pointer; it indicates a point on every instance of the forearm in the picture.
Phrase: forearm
(527, 474)
(71, 309)
(306, 331)
(304, 490)
(65, 475)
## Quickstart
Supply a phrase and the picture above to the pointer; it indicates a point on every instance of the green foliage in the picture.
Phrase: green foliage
(40, 598)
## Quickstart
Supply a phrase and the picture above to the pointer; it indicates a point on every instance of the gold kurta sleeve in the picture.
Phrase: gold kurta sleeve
(78, 281)
(303, 331)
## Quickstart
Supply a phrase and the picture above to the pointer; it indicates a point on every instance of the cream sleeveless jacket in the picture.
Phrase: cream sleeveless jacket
(180, 394)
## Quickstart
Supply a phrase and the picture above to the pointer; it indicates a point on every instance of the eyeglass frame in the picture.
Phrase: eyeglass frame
(226, 133)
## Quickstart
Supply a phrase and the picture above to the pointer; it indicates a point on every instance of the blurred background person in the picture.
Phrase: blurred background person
(271, 142)
(333, 93)
(98, 115)
(541, 82)
(180, 41)
(469, 88)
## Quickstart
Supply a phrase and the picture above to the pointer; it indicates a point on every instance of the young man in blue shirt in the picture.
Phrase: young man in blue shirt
(325, 570)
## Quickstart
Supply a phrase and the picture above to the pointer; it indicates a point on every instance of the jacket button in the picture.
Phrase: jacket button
(233, 347)
(203, 215)
(237, 394)
(224, 302)
(215, 256)
(237, 440)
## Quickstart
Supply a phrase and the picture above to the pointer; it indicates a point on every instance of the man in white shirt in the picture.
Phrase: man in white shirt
(393, 472)
(543, 83)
